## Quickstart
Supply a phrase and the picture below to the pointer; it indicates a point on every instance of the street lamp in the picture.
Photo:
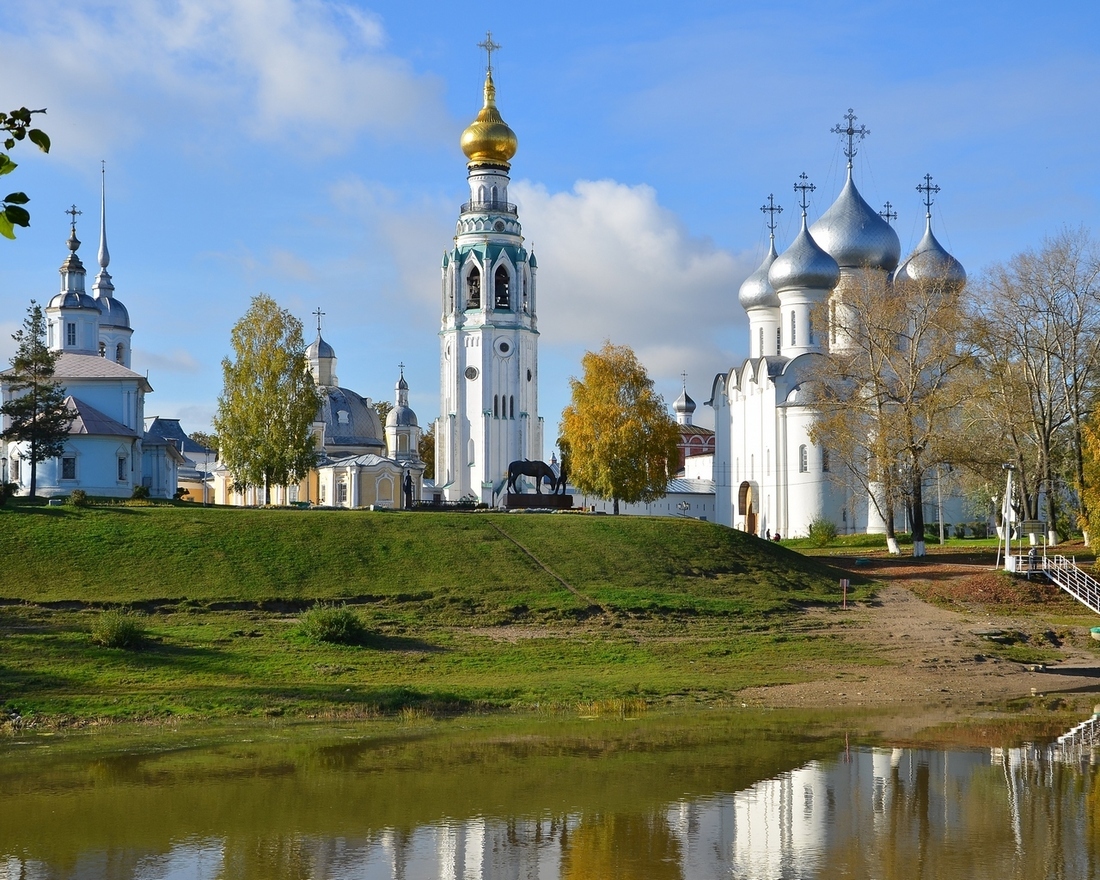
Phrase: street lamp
(683, 507)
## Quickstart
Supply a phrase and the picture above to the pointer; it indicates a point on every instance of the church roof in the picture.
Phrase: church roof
(170, 429)
(804, 265)
(757, 291)
(930, 262)
(70, 365)
(89, 420)
(112, 312)
(853, 233)
(349, 419)
(401, 417)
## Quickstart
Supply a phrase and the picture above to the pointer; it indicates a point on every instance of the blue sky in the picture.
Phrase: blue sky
(309, 150)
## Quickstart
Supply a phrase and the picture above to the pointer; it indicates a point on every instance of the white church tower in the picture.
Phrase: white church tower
(489, 337)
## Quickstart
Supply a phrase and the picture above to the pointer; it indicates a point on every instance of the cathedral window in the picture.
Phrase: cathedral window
(70, 333)
(15, 470)
(525, 294)
(473, 289)
(761, 352)
(803, 459)
(824, 460)
(68, 468)
(102, 350)
(321, 492)
(502, 298)
(496, 406)
(810, 331)
(341, 493)
(511, 407)
(122, 468)
(119, 352)
(778, 341)
(794, 338)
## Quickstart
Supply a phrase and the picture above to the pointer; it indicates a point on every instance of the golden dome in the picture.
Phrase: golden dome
(488, 139)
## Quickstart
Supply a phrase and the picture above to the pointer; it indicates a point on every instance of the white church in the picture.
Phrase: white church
(769, 476)
(107, 451)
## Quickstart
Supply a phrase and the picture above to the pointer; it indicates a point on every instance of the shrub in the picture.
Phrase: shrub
(140, 492)
(337, 624)
(822, 531)
(118, 629)
(78, 498)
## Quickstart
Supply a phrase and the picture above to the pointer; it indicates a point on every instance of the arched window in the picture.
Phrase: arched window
(501, 295)
(525, 294)
(803, 459)
(761, 342)
(810, 330)
(496, 406)
(102, 349)
(511, 406)
(473, 289)
(778, 341)
(794, 338)
(119, 353)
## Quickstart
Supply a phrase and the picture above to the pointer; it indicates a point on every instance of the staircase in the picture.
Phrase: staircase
(1065, 573)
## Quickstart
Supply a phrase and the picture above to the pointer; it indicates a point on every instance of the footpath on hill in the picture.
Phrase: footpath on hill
(941, 651)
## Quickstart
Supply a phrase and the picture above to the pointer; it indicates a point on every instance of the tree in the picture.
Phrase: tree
(36, 405)
(623, 444)
(426, 448)
(204, 438)
(17, 127)
(382, 407)
(268, 403)
(888, 391)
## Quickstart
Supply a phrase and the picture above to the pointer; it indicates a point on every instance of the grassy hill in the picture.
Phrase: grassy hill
(463, 610)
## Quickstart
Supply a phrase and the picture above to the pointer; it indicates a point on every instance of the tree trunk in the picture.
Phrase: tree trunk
(917, 500)
(34, 467)
(615, 506)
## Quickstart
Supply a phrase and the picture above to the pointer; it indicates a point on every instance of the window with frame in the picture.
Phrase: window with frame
(68, 468)
(70, 333)
(794, 338)
(15, 470)
(341, 493)
(122, 468)
(502, 295)
(778, 341)
(803, 459)
(473, 289)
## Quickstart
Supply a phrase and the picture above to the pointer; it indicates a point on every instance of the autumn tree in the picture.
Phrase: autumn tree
(426, 448)
(1036, 325)
(16, 126)
(623, 444)
(35, 403)
(268, 402)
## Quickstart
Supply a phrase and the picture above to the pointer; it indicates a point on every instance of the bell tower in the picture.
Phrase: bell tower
(488, 399)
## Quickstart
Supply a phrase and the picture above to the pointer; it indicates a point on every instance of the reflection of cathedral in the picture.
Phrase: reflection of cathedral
(489, 338)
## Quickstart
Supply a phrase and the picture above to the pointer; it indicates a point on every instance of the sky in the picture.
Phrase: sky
(308, 150)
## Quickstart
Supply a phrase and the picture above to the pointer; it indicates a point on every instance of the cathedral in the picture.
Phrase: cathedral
(488, 400)
(769, 476)
(108, 452)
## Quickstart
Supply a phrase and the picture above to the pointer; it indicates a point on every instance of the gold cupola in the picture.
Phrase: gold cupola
(488, 140)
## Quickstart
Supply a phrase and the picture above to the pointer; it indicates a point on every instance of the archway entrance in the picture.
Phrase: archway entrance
(746, 507)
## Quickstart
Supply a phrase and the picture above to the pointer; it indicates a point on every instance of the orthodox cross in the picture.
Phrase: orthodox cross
(928, 188)
(804, 187)
(490, 47)
(401, 367)
(852, 133)
(319, 315)
(684, 380)
(74, 213)
(886, 214)
(771, 208)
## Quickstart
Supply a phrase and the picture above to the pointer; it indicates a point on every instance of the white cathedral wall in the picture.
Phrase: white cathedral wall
(96, 461)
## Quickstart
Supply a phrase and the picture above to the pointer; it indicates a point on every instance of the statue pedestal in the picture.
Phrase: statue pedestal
(538, 502)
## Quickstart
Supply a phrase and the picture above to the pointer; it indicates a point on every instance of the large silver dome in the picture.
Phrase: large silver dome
(319, 349)
(352, 425)
(930, 263)
(757, 292)
(112, 313)
(401, 417)
(854, 234)
(804, 265)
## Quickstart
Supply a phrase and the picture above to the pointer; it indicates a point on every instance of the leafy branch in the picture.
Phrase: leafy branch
(17, 126)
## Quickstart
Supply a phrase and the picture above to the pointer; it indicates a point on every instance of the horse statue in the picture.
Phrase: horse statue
(539, 470)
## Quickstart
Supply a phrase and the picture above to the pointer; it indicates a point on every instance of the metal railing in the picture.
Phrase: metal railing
(490, 206)
(1065, 573)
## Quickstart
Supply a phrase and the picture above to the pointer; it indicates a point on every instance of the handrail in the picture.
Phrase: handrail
(489, 207)
(1068, 577)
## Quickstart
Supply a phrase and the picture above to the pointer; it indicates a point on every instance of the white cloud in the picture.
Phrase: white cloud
(176, 361)
(309, 74)
(614, 264)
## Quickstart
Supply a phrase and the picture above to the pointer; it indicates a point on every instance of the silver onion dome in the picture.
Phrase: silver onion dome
(854, 234)
(756, 291)
(930, 263)
(684, 404)
(112, 313)
(401, 417)
(319, 349)
(804, 265)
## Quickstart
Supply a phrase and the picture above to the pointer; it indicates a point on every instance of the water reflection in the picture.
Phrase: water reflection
(727, 802)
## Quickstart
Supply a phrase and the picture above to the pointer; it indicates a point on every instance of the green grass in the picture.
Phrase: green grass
(460, 612)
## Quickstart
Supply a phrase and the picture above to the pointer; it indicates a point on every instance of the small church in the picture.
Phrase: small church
(108, 451)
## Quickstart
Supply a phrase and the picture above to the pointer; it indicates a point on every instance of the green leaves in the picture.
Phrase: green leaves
(17, 125)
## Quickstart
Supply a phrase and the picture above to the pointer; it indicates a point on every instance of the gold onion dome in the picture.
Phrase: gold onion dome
(488, 139)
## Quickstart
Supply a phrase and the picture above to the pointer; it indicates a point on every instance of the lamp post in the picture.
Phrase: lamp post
(683, 507)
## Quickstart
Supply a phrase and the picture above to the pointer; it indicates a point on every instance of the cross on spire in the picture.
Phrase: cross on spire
(771, 208)
(401, 367)
(928, 188)
(319, 315)
(805, 187)
(852, 133)
(74, 213)
(490, 47)
(886, 214)
(684, 379)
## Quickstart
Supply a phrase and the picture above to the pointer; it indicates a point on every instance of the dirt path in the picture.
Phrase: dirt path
(935, 655)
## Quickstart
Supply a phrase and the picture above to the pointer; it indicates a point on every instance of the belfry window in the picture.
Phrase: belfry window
(473, 289)
(501, 294)
(525, 294)
(119, 353)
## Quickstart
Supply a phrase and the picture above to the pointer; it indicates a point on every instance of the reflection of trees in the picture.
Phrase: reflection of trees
(613, 846)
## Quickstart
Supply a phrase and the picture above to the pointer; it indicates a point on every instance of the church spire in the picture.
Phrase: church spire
(103, 286)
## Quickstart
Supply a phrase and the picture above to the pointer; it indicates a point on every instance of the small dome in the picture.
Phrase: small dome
(684, 404)
(112, 313)
(757, 292)
(402, 385)
(853, 233)
(72, 299)
(488, 139)
(930, 262)
(401, 417)
(804, 265)
(319, 349)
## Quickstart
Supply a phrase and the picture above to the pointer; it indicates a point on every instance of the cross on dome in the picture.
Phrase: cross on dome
(886, 214)
(928, 188)
(74, 213)
(772, 209)
(805, 187)
(852, 133)
(490, 47)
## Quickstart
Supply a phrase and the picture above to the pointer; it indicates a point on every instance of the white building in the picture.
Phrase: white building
(769, 476)
(107, 452)
(489, 337)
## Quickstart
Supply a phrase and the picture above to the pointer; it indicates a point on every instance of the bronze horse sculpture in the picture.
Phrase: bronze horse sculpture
(539, 470)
